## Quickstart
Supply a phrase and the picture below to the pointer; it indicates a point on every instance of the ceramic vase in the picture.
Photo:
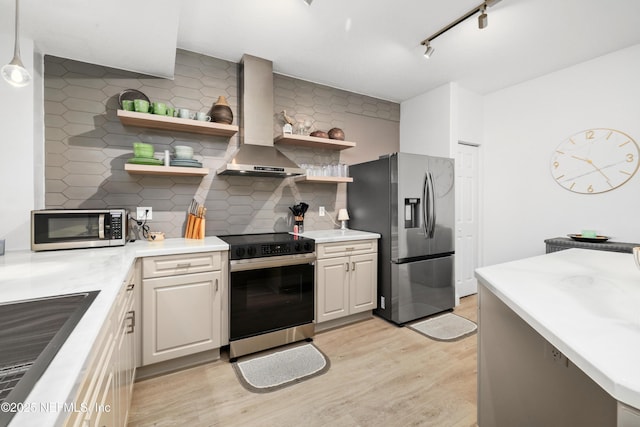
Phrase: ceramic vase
(221, 112)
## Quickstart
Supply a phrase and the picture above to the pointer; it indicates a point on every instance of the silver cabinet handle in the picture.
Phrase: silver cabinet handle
(184, 265)
(131, 286)
(131, 316)
(353, 266)
(346, 264)
(216, 285)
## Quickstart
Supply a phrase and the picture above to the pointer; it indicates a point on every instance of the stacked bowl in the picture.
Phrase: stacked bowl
(183, 156)
(143, 155)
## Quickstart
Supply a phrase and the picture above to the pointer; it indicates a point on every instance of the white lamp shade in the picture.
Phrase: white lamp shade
(343, 215)
(16, 74)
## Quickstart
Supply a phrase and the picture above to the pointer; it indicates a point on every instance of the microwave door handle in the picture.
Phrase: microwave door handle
(101, 226)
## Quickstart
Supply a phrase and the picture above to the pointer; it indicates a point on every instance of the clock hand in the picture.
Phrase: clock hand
(591, 163)
(593, 171)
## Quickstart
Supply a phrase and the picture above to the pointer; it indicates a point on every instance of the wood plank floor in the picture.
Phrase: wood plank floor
(380, 375)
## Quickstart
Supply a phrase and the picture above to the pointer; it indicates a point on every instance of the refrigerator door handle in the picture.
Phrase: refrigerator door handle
(425, 215)
(432, 205)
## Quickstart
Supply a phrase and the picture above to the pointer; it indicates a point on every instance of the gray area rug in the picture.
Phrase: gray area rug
(282, 368)
(446, 327)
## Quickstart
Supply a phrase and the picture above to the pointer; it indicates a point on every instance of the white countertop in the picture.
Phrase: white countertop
(584, 302)
(329, 236)
(26, 275)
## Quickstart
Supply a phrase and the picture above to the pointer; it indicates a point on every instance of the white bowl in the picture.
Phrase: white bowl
(183, 152)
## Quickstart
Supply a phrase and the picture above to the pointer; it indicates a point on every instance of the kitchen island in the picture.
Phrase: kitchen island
(559, 341)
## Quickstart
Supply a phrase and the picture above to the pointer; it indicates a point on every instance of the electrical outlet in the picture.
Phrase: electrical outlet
(321, 211)
(144, 213)
(556, 355)
(382, 302)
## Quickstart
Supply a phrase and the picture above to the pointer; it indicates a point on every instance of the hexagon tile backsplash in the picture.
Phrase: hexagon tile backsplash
(86, 146)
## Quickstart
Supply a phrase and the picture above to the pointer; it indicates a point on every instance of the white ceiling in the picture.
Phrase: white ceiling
(370, 47)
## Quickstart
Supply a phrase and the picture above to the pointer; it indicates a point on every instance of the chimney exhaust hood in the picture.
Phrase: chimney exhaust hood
(256, 155)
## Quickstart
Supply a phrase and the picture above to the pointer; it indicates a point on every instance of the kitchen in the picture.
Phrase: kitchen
(584, 93)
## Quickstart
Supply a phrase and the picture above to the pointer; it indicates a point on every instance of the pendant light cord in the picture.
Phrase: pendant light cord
(16, 46)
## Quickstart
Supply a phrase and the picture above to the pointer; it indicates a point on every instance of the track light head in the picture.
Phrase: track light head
(483, 19)
(308, 2)
(429, 50)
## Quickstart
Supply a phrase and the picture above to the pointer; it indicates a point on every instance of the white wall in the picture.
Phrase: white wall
(467, 115)
(522, 204)
(17, 148)
(425, 124)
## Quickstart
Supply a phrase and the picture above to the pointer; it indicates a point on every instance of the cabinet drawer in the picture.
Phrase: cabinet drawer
(355, 247)
(171, 265)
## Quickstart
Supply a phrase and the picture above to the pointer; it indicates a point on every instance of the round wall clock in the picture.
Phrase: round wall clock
(595, 161)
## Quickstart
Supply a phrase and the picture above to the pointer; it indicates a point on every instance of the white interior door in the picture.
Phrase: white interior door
(466, 219)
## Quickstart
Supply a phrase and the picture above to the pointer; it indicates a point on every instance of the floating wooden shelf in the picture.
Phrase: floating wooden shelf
(153, 121)
(164, 170)
(313, 142)
(323, 179)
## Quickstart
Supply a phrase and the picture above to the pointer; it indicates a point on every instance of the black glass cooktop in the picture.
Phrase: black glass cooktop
(247, 239)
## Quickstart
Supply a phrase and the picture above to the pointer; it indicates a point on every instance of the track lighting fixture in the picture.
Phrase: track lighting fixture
(308, 2)
(483, 21)
(14, 72)
(429, 50)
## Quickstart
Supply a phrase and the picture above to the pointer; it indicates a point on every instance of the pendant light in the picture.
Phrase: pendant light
(14, 72)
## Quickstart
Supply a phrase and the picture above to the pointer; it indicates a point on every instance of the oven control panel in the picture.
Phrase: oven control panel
(276, 249)
(271, 249)
(267, 245)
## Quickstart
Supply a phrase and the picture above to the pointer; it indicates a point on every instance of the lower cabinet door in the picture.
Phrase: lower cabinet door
(332, 288)
(363, 284)
(181, 315)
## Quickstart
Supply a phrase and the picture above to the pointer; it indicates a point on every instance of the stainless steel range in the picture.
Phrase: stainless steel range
(271, 291)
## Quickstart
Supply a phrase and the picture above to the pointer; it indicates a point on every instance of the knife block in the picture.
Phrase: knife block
(195, 227)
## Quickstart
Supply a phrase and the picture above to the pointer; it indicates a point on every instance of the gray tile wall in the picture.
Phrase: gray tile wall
(86, 146)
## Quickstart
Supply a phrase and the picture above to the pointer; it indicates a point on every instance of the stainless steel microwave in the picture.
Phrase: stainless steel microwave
(78, 228)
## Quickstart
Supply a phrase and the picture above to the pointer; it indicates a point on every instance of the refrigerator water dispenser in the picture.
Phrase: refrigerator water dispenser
(412, 213)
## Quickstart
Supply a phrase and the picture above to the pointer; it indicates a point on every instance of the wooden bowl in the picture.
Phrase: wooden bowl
(336, 133)
(319, 134)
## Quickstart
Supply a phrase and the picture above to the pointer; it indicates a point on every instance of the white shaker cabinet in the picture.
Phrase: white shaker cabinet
(105, 391)
(182, 305)
(346, 279)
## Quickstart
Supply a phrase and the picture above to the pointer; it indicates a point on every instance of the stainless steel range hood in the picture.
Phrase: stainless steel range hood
(256, 155)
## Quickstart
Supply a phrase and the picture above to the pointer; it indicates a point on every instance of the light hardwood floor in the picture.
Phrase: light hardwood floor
(380, 375)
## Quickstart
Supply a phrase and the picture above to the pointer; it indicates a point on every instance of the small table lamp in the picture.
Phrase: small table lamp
(343, 216)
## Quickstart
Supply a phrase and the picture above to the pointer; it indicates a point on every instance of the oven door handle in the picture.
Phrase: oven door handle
(270, 262)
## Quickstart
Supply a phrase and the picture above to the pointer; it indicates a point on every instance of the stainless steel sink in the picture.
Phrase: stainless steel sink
(31, 333)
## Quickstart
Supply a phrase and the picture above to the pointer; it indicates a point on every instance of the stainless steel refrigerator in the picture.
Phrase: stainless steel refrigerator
(409, 200)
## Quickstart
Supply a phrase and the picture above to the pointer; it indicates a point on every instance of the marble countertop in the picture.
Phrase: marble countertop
(26, 275)
(329, 236)
(586, 303)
